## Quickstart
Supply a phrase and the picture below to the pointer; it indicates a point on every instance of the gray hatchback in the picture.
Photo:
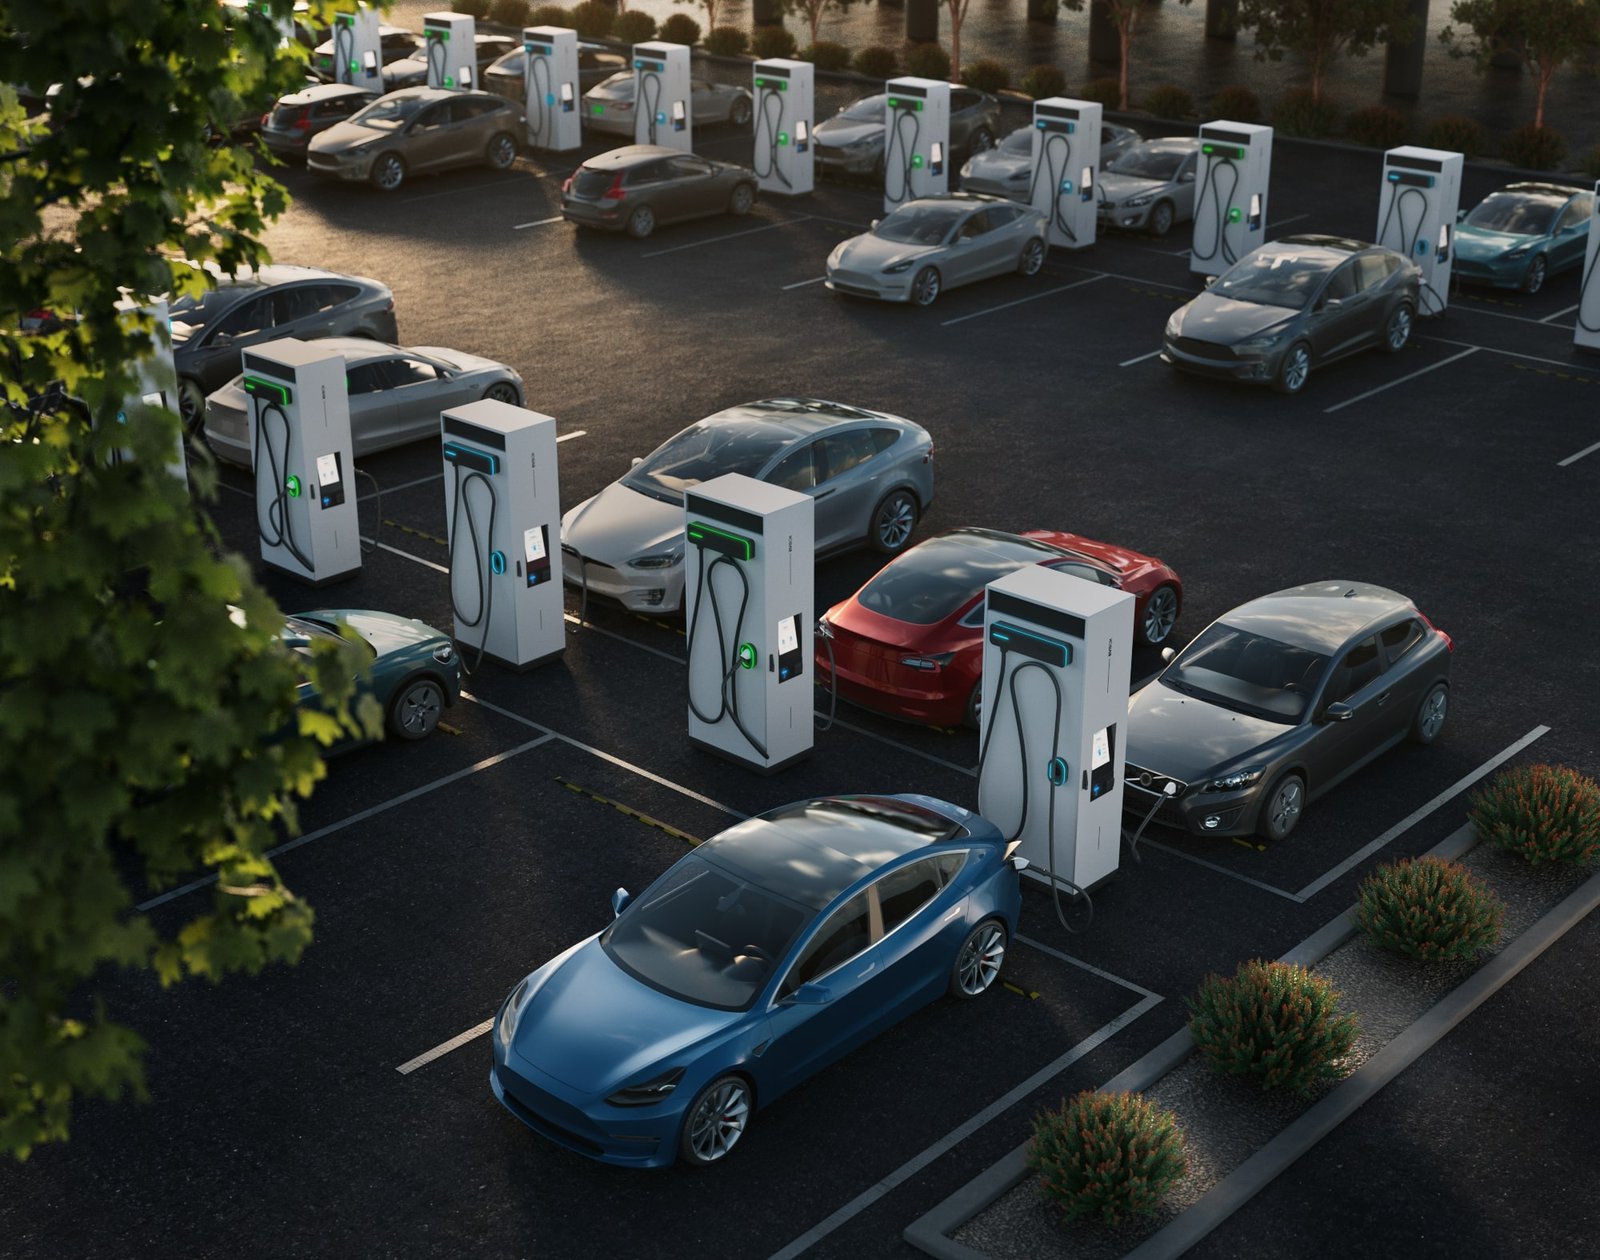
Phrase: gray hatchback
(416, 130)
(640, 186)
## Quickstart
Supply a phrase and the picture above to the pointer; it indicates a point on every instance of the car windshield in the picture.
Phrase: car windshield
(1248, 673)
(1019, 143)
(925, 224)
(1274, 278)
(190, 315)
(1146, 161)
(706, 450)
(939, 577)
(388, 112)
(705, 934)
(868, 110)
(1510, 212)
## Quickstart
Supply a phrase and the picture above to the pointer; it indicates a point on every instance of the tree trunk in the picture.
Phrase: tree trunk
(1125, 38)
(1317, 74)
(955, 41)
(1547, 71)
(816, 21)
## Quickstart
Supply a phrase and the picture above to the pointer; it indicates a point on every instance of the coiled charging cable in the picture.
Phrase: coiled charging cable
(897, 139)
(1408, 237)
(648, 99)
(538, 98)
(1219, 243)
(277, 529)
(1057, 175)
(768, 122)
(464, 481)
(728, 695)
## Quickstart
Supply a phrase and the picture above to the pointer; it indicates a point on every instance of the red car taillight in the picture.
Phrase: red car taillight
(266, 118)
(566, 185)
(927, 457)
(303, 124)
(616, 192)
(1448, 641)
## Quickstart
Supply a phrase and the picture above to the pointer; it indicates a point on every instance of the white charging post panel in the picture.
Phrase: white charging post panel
(1081, 633)
(663, 103)
(785, 103)
(358, 48)
(450, 45)
(552, 99)
(1230, 194)
(304, 461)
(1417, 207)
(520, 621)
(916, 141)
(1066, 164)
(1586, 332)
(157, 384)
(735, 525)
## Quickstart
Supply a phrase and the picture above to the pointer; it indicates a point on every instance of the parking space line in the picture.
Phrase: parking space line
(590, 628)
(406, 555)
(963, 1131)
(1409, 376)
(239, 490)
(628, 811)
(1083, 966)
(1159, 284)
(1521, 319)
(456, 192)
(802, 283)
(1140, 359)
(971, 773)
(726, 236)
(404, 485)
(1032, 297)
(1565, 310)
(576, 433)
(1513, 354)
(1574, 458)
(1148, 843)
(517, 227)
(445, 1047)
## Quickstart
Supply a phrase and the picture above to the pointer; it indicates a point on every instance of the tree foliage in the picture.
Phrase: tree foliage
(1545, 34)
(811, 12)
(1124, 16)
(145, 736)
(1319, 30)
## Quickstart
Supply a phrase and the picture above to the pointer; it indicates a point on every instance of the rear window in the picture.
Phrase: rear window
(589, 183)
(285, 116)
(935, 579)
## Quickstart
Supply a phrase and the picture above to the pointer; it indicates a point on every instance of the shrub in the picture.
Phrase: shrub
(1377, 125)
(1169, 101)
(876, 61)
(928, 61)
(1537, 148)
(1298, 113)
(1107, 91)
(593, 19)
(1106, 1156)
(476, 9)
(509, 12)
(1043, 81)
(1236, 104)
(1273, 1021)
(1429, 909)
(1590, 163)
(986, 75)
(633, 27)
(680, 28)
(826, 55)
(550, 15)
(772, 41)
(1456, 134)
(727, 41)
(1541, 813)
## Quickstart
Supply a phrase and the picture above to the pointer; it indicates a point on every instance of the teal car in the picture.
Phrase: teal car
(1519, 236)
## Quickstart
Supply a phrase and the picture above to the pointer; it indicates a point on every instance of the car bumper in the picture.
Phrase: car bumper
(637, 590)
(847, 162)
(611, 124)
(612, 215)
(286, 143)
(644, 1137)
(1129, 218)
(896, 288)
(1198, 813)
(1499, 273)
(1220, 362)
(228, 443)
(931, 706)
(354, 167)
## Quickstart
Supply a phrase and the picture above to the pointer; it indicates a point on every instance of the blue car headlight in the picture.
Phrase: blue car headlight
(1238, 779)
(646, 1092)
(1518, 252)
(505, 1028)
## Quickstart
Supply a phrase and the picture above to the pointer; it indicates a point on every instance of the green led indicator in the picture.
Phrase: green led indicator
(777, 85)
(783, 137)
(352, 65)
(1235, 214)
(699, 533)
(599, 109)
(438, 32)
(916, 159)
(448, 81)
(1223, 150)
(747, 656)
(255, 385)
(291, 483)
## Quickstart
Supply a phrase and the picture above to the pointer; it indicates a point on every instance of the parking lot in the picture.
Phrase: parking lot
(343, 1105)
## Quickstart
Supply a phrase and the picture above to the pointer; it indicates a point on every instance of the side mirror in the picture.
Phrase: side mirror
(1186, 178)
(1338, 711)
(1461, 216)
(635, 461)
(875, 223)
(812, 994)
(620, 900)
(1168, 655)
(1019, 863)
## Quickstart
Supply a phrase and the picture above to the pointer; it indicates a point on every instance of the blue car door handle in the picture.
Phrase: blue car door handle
(866, 971)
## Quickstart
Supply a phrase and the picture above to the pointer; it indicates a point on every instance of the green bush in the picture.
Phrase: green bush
(1169, 101)
(1536, 148)
(1106, 1156)
(986, 75)
(633, 27)
(680, 28)
(1541, 813)
(826, 55)
(509, 12)
(1042, 81)
(772, 41)
(1298, 113)
(876, 61)
(593, 19)
(475, 9)
(1590, 163)
(928, 61)
(1380, 126)
(1236, 104)
(727, 41)
(1429, 909)
(1273, 1021)
(1456, 134)
(550, 15)
(1107, 91)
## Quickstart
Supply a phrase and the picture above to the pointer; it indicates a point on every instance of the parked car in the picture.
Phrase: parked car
(1293, 304)
(1278, 701)
(935, 243)
(394, 44)
(507, 77)
(770, 951)
(209, 331)
(910, 642)
(641, 186)
(417, 130)
(1520, 235)
(1150, 186)
(412, 69)
(608, 106)
(1007, 169)
(871, 474)
(288, 127)
(396, 395)
(852, 141)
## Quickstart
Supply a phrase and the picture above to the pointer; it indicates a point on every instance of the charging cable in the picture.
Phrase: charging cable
(769, 122)
(650, 99)
(277, 528)
(464, 480)
(437, 69)
(727, 693)
(544, 127)
(897, 139)
(344, 51)
(1167, 793)
(825, 633)
(1408, 236)
(1057, 175)
(377, 493)
(1219, 242)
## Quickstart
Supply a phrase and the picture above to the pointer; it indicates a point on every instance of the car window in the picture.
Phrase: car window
(247, 318)
(466, 108)
(1575, 213)
(975, 617)
(1342, 283)
(1399, 639)
(796, 471)
(1086, 571)
(1000, 216)
(294, 303)
(963, 98)
(1151, 161)
(1248, 672)
(338, 107)
(1276, 275)
(687, 167)
(903, 892)
(331, 295)
(434, 115)
(1371, 270)
(840, 452)
(412, 372)
(976, 225)
(1360, 666)
(1513, 212)
(649, 173)
(847, 932)
(367, 378)
(883, 439)
(949, 865)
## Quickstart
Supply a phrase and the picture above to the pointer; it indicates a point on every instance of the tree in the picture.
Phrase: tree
(144, 736)
(1319, 30)
(811, 11)
(1544, 34)
(1124, 17)
(711, 7)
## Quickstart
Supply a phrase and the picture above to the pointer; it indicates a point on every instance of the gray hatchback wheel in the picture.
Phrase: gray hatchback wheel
(388, 172)
(1032, 257)
(715, 1121)
(642, 222)
(1161, 219)
(1294, 369)
(1431, 713)
(739, 116)
(502, 152)
(1285, 803)
(893, 523)
(925, 288)
(416, 709)
(743, 200)
(1398, 332)
(979, 959)
(1160, 615)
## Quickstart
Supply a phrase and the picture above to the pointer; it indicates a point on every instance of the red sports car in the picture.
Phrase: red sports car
(910, 642)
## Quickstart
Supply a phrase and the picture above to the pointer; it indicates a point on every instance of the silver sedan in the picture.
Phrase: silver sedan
(609, 106)
(396, 394)
(1007, 169)
(1150, 187)
(937, 243)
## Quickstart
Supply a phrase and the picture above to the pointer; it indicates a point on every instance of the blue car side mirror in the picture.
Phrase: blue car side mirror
(813, 995)
(620, 900)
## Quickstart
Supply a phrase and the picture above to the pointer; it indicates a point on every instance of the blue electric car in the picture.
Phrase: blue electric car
(767, 953)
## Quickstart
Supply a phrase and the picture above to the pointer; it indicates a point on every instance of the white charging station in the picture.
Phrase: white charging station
(1057, 651)
(503, 511)
(785, 96)
(1066, 160)
(1417, 213)
(304, 463)
(157, 385)
(550, 77)
(1230, 194)
(358, 48)
(450, 45)
(750, 555)
(1586, 333)
(916, 141)
(662, 101)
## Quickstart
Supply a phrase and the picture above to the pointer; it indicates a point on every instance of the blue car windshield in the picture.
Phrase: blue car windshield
(921, 224)
(1508, 212)
(705, 450)
(1271, 277)
(1248, 673)
(703, 934)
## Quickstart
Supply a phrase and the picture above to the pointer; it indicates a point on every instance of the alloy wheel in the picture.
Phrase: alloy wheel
(642, 223)
(1534, 280)
(719, 1120)
(418, 709)
(1296, 367)
(1434, 711)
(1283, 811)
(981, 958)
(502, 391)
(925, 288)
(502, 152)
(896, 519)
(1160, 615)
(1400, 327)
(389, 172)
(1032, 257)
(743, 199)
(1161, 219)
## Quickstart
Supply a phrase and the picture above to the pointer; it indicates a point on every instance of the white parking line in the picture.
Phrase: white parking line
(444, 1048)
(1089, 967)
(239, 490)
(895, 743)
(1566, 310)
(1148, 843)
(727, 236)
(1140, 359)
(1409, 376)
(406, 555)
(1293, 218)
(517, 227)
(802, 283)
(1032, 297)
(1513, 354)
(1154, 284)
(1521, 319)
(576, 433)
(1574, 458)
(505, 182)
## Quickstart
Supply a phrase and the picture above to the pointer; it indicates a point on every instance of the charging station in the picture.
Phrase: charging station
(1066, 157)
(358, 48)
(1057, 653)
(550, 76)
(450, 43)
(304, 462)
(1417, 213)
(748, 600)
(1230, 199)
(785, 93)
(916, 141)
(1586, 332)
(662, 100)
(157, 387)
(503, 510)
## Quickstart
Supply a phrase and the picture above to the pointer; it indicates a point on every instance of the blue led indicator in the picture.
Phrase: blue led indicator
(661, 116)
(549, 98)
(1066, 185)
(497, 562)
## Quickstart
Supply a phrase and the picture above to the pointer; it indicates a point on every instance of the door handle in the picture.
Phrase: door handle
(866, 971)
(1383, 699)
(823, 494)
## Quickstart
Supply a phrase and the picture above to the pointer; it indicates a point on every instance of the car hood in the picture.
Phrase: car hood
(348, 135)
(841, 133)
(1117, 188)
(1225, 321)
(1482, 245)
(1189, 739)
(995, 165)
(386, 632)
(595, 1028)
(619, 524)
(868, 253)
(461, 359)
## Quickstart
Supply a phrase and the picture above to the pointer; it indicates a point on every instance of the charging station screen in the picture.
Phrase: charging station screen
(788, 647)
(788, 639)
(1101, 753)
(327, 470)
(533, 549)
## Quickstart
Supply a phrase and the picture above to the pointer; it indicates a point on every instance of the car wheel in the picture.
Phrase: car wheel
(982, 141)
(1161, 219)
(978, 961)
(416, 709)
(642, 222)
(1280, 814)
(743, 199)
(739, 115)
(1398, 331)
(973, 717)
(1160, 615)
(893, 523)
(1537, 270)
(191, 404)
(503, 391)
(1431, 713)
(1294, 369)
(502, 152)
(925, 288)
(1032, 260)
(388, 172)
(715, 1121)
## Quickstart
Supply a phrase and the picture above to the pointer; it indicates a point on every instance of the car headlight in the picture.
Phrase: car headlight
(1264, 342)
(658, 559)
(1175, 323)
(506, 1026)
(1143, 199)
(1518, 252)
(966, 170)
(1238, 779)
(857, 146)
(894, 269)
(647, 1092)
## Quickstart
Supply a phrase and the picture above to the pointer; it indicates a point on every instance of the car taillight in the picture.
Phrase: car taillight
(927, 456)
(566, 185)
(616, 192)
(266, 118)
(303, 125)
(1448, 641)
